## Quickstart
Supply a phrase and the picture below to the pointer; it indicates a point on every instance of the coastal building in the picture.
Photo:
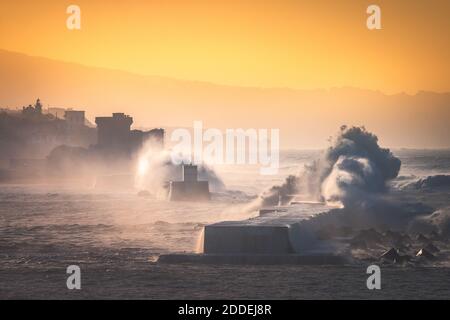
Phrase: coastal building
(57, 112)
(33, 111)
(190, 188)
(155, 137)
(113, 132)
(114, 135)
(74, 118)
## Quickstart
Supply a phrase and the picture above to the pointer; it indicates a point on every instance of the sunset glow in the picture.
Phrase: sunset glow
(297, 44)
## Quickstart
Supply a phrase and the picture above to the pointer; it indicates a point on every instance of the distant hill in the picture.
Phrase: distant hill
(306, 117)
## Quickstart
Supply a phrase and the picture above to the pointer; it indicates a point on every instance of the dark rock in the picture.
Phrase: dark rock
(392, 234)
(370, 236)
(390, 255)
(407, 239)
(434, 235)
(358, 244)
(423, 253)
(431, 248)
(397, 239)
(421, 238)
(403, 248)
(404, 258)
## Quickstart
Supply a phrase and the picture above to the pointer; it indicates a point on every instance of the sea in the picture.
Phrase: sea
(116, 238)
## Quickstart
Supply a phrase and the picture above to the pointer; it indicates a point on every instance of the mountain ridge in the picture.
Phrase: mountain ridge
(305, 117)
(167, 78)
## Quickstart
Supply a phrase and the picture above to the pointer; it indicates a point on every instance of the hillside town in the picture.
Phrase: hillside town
(40, 143)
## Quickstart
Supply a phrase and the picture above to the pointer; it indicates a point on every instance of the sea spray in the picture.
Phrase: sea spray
(199, 247)
(351, 169)
(155, 168)
(352, 175)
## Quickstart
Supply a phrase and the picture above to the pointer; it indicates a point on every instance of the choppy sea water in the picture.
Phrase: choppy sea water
(116, 237)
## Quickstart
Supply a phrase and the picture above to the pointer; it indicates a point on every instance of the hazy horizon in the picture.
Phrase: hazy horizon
(401, 92)
(306, 118)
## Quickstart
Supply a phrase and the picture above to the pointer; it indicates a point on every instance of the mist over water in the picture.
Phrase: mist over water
(43, 227)
(155, 168)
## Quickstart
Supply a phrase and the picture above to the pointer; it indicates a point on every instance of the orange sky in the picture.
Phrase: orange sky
(289, 43)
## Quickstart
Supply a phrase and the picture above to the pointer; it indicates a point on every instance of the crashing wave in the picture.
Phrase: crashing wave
(349, 171)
